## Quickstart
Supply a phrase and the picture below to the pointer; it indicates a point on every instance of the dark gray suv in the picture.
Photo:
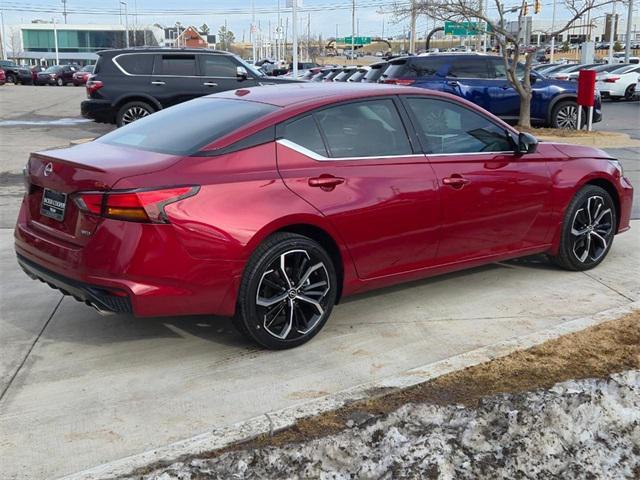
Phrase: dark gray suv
(129, 84)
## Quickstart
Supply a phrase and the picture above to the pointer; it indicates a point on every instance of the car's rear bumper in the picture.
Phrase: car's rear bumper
(130, 267)
(98, 110)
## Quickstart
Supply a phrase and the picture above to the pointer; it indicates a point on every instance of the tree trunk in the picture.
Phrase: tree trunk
(525, 110)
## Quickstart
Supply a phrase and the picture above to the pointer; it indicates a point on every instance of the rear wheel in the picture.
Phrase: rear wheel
(587, 231)
(60, 82)
(132, 111)
(287, 293)
(629, 92)
(11, 78)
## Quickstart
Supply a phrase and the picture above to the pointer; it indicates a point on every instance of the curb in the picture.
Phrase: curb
(280, 419)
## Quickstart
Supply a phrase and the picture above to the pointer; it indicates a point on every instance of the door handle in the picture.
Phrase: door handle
(326, 182)
(157, 83)
(505, 87)
(452, 83)
(210, 84)
(456, 181)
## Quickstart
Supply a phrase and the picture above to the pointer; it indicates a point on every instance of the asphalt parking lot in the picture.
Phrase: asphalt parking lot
(79, 389)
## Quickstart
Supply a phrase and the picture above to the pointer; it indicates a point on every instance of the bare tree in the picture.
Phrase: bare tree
(508, 34)
(14, 43)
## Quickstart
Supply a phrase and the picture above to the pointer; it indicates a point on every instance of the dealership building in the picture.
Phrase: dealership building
(78, 43)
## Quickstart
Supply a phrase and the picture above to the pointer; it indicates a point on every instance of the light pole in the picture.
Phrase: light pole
(353, 29)
(627, 46)
(612, 31)
(294, 33)
(55, 41)
(126, 22)
(553, 36)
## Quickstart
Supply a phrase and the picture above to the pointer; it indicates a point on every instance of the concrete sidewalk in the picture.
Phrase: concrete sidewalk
(92, 389)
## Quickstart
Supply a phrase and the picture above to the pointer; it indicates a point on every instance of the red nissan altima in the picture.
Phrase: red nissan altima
(271, 204)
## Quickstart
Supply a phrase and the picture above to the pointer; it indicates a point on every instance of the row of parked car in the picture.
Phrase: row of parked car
(59, 75)
(616, 81)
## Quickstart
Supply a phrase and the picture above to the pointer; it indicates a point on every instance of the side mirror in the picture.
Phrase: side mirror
(532, 78)
(527, 143)
(241, 73)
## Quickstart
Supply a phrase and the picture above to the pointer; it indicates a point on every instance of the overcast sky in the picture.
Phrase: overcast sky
(325, 15)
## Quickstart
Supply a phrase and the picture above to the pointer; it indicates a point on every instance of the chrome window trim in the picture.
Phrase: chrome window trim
(321, 158)
(114, 60)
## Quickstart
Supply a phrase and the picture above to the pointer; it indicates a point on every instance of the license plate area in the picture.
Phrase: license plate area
(53, 204)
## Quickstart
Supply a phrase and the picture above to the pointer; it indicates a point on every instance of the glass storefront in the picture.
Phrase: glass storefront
(82, 40)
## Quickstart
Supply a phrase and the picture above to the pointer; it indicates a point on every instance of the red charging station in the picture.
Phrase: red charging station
(586, 95)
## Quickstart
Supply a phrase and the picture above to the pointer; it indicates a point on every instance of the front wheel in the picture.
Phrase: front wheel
(11, 78)
(565, 115)
(287, 292)
(60, 82)
(587, 230)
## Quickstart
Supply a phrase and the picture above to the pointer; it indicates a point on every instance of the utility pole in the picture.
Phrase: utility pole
(612, 31)
(64, 10)
(553, 33)
(308, 35)
(294, 34)
(627, 37)
(353, 29)
(412, 40)
(126, 23)
(278, 34)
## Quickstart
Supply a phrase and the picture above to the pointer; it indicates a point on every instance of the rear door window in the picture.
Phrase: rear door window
(218, 66)
(304, 132)
(134, 63)
(364, 129)
(465, 67)
(176, 65)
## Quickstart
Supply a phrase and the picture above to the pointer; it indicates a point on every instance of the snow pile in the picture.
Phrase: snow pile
(578, 429)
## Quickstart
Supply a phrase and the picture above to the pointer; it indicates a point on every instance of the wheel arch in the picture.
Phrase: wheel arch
(138, 97)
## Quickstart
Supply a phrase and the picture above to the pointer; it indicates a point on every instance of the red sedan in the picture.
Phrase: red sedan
(81, 76)
(271, 204)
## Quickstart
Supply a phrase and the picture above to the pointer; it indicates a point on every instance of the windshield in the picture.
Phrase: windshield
(375, 73)
(251, 68)
(187, 127)
(52, 69)
(623, 69)
(88, 68)
(356, 77)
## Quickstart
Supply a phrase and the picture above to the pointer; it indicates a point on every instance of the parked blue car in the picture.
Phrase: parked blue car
(482, 80)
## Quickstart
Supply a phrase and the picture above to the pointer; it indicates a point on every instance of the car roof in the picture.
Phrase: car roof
(318, 94)
(117, 51)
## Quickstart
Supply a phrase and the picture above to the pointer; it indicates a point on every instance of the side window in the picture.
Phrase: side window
(499, 71)
(469, 68)
(217, 66)
(446, 127)
(304, 132)
(364, 129)
(180, 65)
(134, 64)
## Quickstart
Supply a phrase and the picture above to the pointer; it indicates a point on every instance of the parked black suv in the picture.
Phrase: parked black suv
(129, 84)
(15, 73)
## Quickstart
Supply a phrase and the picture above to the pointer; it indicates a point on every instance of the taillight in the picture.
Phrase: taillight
(145, 206)
(93, 86)
(611, 79)
(398, 81)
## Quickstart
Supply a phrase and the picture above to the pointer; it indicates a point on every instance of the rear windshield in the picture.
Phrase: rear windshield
(187, 127)
(375, 73)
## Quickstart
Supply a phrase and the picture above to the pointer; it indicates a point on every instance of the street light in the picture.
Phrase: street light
(126, 21)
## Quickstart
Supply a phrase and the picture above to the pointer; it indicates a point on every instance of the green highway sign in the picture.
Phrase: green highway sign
(356, 40)
(463, 29)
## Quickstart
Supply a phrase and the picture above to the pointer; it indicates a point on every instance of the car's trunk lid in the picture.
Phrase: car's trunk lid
(64, 172)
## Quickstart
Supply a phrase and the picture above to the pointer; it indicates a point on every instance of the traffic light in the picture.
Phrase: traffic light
(525, 10)
(537, 6)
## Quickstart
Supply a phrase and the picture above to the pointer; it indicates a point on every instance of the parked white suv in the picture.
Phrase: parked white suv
(619, 83)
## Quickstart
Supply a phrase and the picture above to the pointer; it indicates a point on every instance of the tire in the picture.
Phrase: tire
(132, 111)
(587, 230)
(11, 78)
(565, 115)
(629, 92)
(286, 316)
(60, 82)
